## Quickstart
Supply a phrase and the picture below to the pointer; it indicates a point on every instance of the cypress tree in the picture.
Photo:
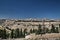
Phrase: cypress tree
(21, 33)
(1, 33)
(24, 32)
(12, 33)
(17, 33)
(39, 29)
(53, 29)
(57, 30)
(4, 34)
(31, 31)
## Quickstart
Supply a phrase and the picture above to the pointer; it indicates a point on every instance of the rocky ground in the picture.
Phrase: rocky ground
(52, 36)
(14, 39)
(33, 39)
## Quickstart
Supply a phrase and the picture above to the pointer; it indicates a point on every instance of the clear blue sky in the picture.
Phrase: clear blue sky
(30, 9)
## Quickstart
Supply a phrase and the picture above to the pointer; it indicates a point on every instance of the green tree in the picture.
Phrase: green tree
(31, 31)
(7, 34)
(47, 30)
(17, 32)
(1, 33)
(44, 30)
(24, 32)
(21, 33)
(59, 25)
(12, 33)
(57, 31)
(53, 29)
(39, 30)
(4, 34)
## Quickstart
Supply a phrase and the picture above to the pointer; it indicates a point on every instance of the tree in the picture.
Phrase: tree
(57, 31)
(21, 33)
(44, 30)
(1, 33)
(12, 33)
(17, 33)
(59, 25)
(39, 27)
(39, 30)
(4, 34)
(7, 34)
(24, 32)
(53, 29)
(31, 31)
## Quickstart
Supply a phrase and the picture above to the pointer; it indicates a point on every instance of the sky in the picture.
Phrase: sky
(17, 9)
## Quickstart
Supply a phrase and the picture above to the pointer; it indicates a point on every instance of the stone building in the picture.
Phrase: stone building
(31, 23)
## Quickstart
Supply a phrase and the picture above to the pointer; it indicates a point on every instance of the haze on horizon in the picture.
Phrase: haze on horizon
(30, 9)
